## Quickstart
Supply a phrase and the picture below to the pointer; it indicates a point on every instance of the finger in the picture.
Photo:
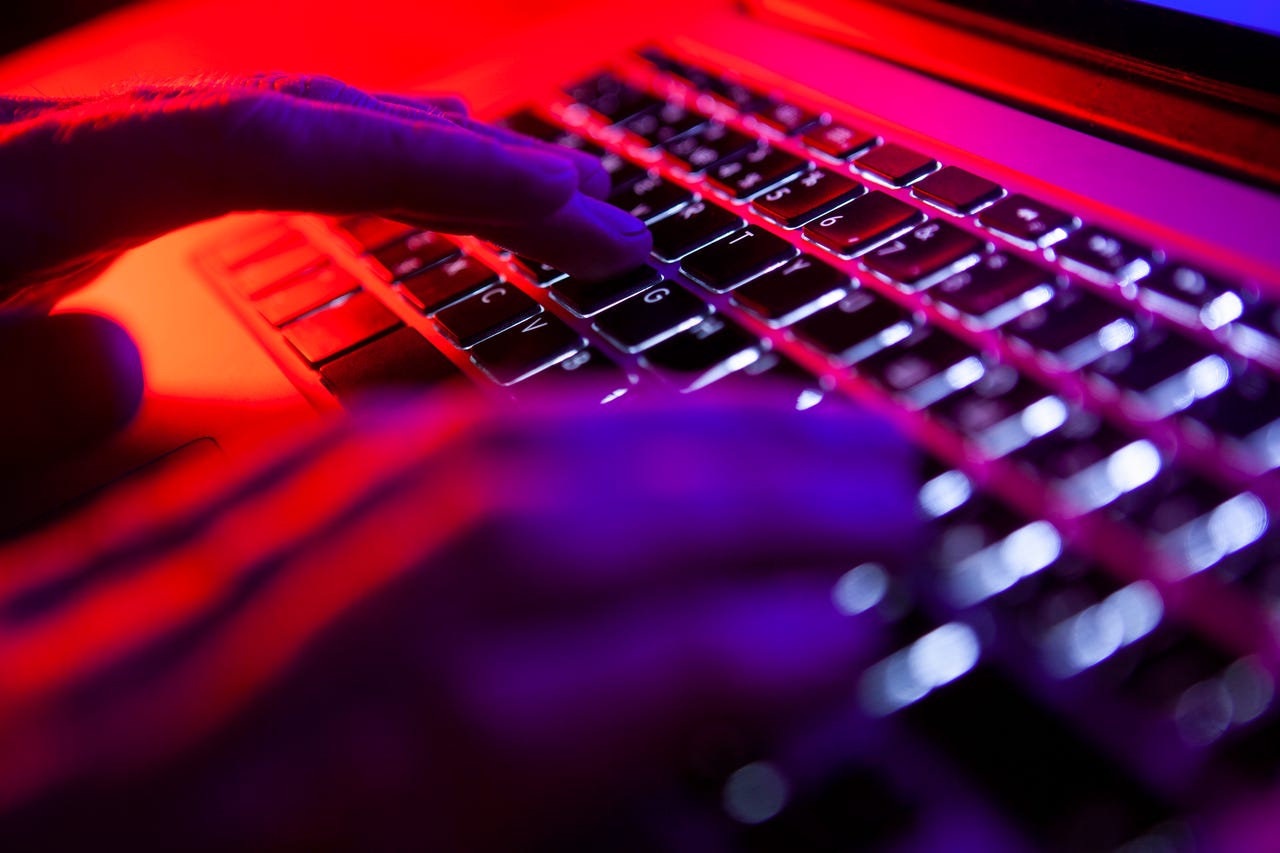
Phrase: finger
(454, 106)
(593, 179)
(111, 177)
(71, 380)
(586, 238)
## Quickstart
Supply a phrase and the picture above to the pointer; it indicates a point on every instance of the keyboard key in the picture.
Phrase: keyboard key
(895, 164)
(366, 233)
(588, 372)
(995, 290)
(838, 141)
(1028, 221)
(807, 197)
(412, 255)
(728, 263)
(610, 97)
(402, 359)
(954, 189)
(1104, 257)
(704, 354)
(923, 368)
(486, 313)
(991, 410)
(856, 326)
(669, 121)
(654, 316)
(542, 274)
(283, 260)
(1075, 327)
(256, 245)
(531, 124)
(793, 291)
(621, 171)
(708, 146)
(1257, 331)
(650, 198)
(1243, 410)
(755, 170)
(447, 282)
(782, 116)
(1166, 371)
(294, 297)
(526, 348)
(692, 227)
(586, 298)
(927, 251)
(862, 223)
(342, 326)
(1191, 296)
(1081, 440)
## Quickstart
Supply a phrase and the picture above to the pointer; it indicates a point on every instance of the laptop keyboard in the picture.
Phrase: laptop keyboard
(1102, 423)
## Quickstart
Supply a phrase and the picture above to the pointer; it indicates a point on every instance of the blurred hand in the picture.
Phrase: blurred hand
(440, 626)
(87, 178)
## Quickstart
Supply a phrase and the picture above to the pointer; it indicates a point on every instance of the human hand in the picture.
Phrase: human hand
(442, 626)
(87, 178)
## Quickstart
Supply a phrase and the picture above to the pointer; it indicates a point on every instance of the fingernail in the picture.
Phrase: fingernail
(614, 219)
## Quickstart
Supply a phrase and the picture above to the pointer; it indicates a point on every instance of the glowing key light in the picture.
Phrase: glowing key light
(910, 674)
(997, 567)
(1094, 634)
(1230, 527)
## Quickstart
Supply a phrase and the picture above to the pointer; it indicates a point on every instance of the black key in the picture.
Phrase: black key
(588, 372)
(782, 116)
(923, 253)
(402, 359)
(366, 233)
(895, 164)
(1169, 372)
(541, 273)
(1103, 256)
(692, 227)
(621, 171)
(344, 325)
(838, 141)
(1075, 327)
(704, 354)
(446, 283)
(1248, 404)
(755, 170)
(807, 197)
(650, 198)
(667, 122)
(585, 298)
(862, 223)
(926, 366)
(708, 146)
(1082, 440)
(728, 263)
(651, 317)
(1027, 220)
(793, 291)
(526, 348)
(955, 189)
(610, 97)
(485, 313)
(305, 292)
(856, 326)
(1191, 295)
(412, 255)
(982, 408)
(996, 289)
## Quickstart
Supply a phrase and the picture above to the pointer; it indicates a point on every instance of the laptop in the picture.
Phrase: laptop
(1041, 240)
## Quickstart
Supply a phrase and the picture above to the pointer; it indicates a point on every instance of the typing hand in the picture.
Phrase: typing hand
(86, 178)
(439, 626)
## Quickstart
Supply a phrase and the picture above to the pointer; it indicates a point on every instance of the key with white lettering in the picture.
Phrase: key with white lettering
(692, 227)
(1104, 257)
(862, 323)
(586, 298)
(709, 351)
(486, 313)
(650, 198)
(446, 282)
(793, 291)
(754, 171)
(651, 317)
(1027, 221)
(807, 197)
(926, 253)
(862, 223)
(526, 348)
(728, 263)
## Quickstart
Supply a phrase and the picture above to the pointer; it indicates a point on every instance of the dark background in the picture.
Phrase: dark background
(27, 22)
